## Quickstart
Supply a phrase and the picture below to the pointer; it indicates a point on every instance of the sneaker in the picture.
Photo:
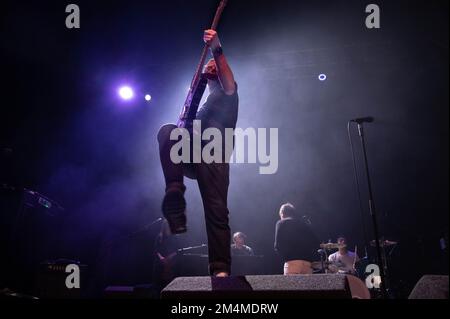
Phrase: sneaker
(174, 207)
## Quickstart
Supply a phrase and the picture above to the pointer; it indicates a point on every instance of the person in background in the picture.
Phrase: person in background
(165, 259)
(344, 259)
(239, 248)
(294, 241)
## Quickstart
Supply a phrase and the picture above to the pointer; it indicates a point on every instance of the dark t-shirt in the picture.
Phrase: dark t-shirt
(243, 251)
(220, 110)
(295, 240)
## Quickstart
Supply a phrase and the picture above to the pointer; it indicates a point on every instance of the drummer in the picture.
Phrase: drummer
(344, 259)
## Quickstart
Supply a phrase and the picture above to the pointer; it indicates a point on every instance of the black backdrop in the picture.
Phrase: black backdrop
(70, 138)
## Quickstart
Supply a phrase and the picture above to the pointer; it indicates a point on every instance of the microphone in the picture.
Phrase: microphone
(367, 119)
(193, 247)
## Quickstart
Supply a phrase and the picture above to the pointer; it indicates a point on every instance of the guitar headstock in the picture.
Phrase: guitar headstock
(222, 5)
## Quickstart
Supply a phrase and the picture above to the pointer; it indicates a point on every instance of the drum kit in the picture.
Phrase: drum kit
(330, 267)
(324, 266)
(333, 267)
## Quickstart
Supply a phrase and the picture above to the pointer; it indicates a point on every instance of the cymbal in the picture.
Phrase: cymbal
(331, 246)
(384, 243)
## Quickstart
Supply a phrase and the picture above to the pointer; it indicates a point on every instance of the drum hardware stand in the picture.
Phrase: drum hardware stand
(385, 265)
(323, 257)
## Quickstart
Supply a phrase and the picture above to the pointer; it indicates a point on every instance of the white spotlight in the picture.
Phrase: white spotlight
(126, 93)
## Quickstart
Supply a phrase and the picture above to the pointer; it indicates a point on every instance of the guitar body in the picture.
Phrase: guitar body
(168, 265)
(191, 104)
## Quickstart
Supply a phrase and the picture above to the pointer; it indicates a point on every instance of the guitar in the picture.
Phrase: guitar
(198, 83)
(167, 265)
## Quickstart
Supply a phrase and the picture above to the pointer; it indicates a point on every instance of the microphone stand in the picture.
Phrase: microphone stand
(144, 228)
(323, 259)
(373, 212)
(133, 234)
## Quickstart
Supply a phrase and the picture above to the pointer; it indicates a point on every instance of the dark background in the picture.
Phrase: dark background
(66, 134)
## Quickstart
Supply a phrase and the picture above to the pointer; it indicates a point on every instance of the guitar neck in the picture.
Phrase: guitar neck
(214, 25)
(198, 83)
(198, 71)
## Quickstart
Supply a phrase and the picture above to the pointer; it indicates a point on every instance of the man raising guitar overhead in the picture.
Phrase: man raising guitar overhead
(219, 111)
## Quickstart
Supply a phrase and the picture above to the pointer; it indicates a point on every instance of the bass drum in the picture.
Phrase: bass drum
(358, 288)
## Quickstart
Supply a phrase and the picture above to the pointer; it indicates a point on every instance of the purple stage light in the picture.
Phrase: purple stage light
(126, 92)
(322, 77)
(148, 97)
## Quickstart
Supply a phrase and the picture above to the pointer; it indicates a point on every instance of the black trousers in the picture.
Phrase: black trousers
(213, 181)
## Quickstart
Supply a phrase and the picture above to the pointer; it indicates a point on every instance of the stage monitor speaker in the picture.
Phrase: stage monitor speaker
(30, 233)
(51, 280)
(323, 286)
(431, 287)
